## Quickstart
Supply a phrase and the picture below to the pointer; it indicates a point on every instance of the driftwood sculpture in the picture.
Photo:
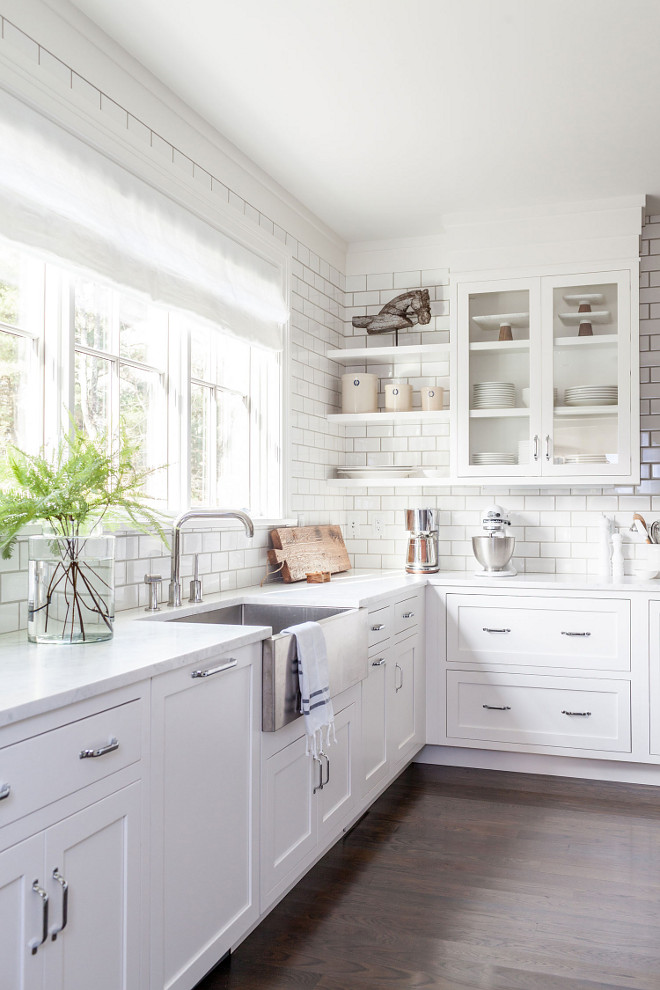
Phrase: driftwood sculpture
(400, 313)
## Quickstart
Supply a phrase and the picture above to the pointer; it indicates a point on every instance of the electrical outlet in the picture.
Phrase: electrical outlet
(353, 527)
(378, 523)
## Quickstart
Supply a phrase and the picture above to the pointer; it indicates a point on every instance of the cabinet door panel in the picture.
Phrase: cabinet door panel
(374, 720)
(337, 797)
(401, 713)
(204, 752)
(97, 852)
(21, 918)
(288, 831)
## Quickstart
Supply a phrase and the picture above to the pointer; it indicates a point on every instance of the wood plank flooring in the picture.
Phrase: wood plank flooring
(473, 880)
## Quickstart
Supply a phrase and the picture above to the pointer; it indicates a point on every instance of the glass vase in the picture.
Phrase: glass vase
(71, 589)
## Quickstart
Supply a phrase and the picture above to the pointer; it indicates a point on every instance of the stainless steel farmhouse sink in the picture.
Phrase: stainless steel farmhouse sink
(345, 633)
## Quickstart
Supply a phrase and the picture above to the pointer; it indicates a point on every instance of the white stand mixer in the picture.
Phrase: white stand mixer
(495, 549)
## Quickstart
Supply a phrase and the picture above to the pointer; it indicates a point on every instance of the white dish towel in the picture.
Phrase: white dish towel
(315, 703)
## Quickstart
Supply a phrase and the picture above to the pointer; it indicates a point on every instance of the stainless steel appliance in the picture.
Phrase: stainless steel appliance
(495, 549)
(422, 551)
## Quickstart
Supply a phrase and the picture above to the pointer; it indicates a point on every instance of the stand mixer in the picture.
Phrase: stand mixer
(495, 549)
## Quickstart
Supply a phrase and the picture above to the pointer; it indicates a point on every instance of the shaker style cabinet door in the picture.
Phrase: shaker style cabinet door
(205, 799)
(97, 916)
(22, 915)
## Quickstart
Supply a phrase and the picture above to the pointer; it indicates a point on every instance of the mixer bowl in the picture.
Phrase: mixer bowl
(493, 552)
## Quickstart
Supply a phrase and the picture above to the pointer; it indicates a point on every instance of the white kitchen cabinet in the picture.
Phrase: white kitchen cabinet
(206, 721)
(306, 802)
(549, 402)
(393, 718)
(70, 867)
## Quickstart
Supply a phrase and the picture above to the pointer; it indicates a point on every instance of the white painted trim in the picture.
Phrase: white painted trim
(555, 766)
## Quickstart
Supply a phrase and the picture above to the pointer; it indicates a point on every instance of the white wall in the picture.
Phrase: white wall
(64, 67)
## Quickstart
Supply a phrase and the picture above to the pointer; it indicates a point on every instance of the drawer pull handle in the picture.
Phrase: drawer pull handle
(327, 778)
(379, 663)
(5, 791)
(497, 708)
(578, 714)
(576, 633)
(214, 670)
(54, 932)
(381, 625)
(486, 629)
(92, 754)
(408, 615)
(36, 942)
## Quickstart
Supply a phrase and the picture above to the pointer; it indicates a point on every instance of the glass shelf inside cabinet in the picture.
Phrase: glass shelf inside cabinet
(499, 376)
(585, 370)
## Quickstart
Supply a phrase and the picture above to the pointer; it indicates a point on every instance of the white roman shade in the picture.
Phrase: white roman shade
(62, 197)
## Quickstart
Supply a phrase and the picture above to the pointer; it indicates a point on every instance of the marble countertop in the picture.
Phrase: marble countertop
(38, 678)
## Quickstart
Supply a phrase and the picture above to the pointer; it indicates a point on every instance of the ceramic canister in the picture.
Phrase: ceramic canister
(359, 393)
(398, 397)
(432, 397)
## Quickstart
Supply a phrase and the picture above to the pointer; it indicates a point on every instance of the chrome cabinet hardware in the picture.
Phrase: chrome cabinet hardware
(36, 942)
(5, 791)
(575, 633)
(319, 786)
(578, 714)
(379, 663)
(55, 930)
(408, 615)
(153, 583)
(400, 669)
(537, 446)
(327, 771)
(486, 629)
(378, 628)
(215, 670)
(92, 754)
(548, 441)
(497, 708)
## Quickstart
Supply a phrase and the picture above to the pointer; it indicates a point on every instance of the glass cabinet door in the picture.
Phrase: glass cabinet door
(586, 375)
(498, 379)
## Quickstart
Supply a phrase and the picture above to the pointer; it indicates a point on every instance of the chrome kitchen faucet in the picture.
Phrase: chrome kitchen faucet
(174, 597)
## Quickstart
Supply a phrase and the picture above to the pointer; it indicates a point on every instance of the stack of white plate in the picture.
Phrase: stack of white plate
(494, 457)
(377, 471)
(585, 459)
(592, 395)
(493, 395)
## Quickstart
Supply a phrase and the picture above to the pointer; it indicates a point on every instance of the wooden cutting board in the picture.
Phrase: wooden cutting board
(303, 549)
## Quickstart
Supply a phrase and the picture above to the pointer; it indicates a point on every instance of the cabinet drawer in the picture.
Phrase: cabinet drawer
(47, 767)
(380, 625)
(579, 633)
(407, 614)
(570, 713)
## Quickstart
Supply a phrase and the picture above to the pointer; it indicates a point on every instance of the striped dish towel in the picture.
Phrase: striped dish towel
(315, 703)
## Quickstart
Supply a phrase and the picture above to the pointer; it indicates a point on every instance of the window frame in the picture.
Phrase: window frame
(53, 366)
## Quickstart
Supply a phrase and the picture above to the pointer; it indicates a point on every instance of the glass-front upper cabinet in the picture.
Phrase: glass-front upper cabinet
(545, 382)
(587, 365)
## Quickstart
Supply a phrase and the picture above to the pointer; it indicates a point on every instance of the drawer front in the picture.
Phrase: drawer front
(567, 713)
(407, 615)
(47, 767)
(380, 625)
(578, 633)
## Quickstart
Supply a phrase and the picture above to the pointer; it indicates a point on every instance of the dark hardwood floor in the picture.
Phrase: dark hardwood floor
(461, 879)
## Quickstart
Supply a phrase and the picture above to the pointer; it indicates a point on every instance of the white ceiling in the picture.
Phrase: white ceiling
(384, 117)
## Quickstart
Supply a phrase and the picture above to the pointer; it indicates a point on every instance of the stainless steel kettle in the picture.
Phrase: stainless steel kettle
(422, 549)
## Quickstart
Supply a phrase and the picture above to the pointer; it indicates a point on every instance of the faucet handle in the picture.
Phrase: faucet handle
(196, 584)
(153, 581)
